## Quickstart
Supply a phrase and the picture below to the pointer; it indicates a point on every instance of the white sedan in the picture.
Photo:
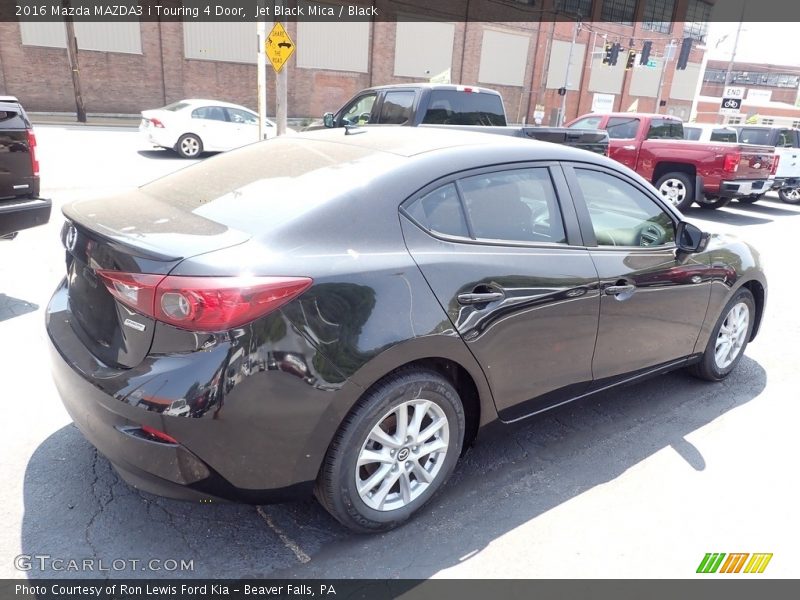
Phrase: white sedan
(191, 127)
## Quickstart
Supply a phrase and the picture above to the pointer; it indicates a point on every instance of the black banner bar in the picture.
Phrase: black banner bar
(381, 10)
(708, 588)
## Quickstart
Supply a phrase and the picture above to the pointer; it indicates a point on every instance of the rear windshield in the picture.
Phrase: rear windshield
(755, 136)
(276, 180)
(175, 106)
(12, 116)
(665, 129)
(451, 107)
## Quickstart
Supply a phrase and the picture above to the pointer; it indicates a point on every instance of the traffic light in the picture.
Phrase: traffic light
(608, 48)
(615, 48)
(683, 57)
(645, 57)
(631, 59)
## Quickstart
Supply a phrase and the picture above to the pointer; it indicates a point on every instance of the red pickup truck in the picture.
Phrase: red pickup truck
(683, 171)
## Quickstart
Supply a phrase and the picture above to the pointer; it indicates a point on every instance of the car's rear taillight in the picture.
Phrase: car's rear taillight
(731, 163)
(156, 123)
(203, 303)
(32, 152)
(775, 160)
(158, 436)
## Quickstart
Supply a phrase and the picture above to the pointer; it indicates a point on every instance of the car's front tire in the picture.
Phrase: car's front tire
(728, 339)
(189, 146)
(393, 452)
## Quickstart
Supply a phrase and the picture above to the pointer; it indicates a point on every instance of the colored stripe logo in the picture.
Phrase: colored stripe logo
(714, 562)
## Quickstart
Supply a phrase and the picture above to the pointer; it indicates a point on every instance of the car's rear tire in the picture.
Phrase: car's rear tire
(371, 480)
(676, 188)
(712, 203)
(728, 338)
(189, 146)
(750, 199)
(790, 195)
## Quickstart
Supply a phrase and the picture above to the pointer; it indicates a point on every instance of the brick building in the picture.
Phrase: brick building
(128, 67)
(772, 93)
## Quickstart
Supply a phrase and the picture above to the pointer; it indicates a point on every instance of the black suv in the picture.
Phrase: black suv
(20, 205)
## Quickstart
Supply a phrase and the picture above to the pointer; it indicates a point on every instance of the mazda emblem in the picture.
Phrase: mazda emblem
(72, 238)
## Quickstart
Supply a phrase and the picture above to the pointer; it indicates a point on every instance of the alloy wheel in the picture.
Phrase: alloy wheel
(190, 146)
(731, 336)
(402, 455)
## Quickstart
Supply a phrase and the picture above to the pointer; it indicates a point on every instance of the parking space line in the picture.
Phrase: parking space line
(287, 541)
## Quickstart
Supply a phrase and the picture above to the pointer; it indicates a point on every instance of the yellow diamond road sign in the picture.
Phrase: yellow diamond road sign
(278, 47)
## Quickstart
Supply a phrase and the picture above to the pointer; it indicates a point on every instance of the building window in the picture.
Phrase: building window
(734, 120)
(658, 15)
(795, 124)
(619, 11)
(767, 121)
(698, 14)
(576, 7)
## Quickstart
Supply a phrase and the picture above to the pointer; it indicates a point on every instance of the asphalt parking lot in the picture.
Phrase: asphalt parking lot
(638, 482)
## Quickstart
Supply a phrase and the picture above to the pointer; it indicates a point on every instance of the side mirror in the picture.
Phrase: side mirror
(691, 238)
(327, 118)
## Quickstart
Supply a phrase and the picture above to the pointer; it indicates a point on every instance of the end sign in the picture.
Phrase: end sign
(731, 100)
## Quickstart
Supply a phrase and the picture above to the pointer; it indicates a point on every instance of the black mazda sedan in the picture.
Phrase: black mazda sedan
(341, 312)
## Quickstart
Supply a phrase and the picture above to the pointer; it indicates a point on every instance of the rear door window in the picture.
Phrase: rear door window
(211, 113)
(784, 139)
(454, 107)
(622, 128)
(515, 206)
(440, 212)
(759, 137)
(665, 129)
(396, 108)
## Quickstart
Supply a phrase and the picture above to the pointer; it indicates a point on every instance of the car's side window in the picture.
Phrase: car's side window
(621, 214)
(396, 108)
(212, 113)
(242, 117)
(359, 111)
(516, 206)
(440, 211)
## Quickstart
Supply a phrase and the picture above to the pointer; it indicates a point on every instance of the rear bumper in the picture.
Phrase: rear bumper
(23, 213)
(744, 187)
(157, 136)
(259, 436)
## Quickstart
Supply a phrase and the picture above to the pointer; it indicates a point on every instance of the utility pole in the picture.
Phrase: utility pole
(575, 30)
(72, 58)
(261, 62)
(281, 88)
(669, 52)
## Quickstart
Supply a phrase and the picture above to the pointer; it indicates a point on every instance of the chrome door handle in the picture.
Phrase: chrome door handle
(629, 147)
(480, 298)
(613, 290)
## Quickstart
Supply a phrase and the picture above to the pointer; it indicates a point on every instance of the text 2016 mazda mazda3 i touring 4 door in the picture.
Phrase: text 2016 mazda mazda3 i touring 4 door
(343, 313)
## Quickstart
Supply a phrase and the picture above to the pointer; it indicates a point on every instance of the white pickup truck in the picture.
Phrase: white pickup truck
(787, 146)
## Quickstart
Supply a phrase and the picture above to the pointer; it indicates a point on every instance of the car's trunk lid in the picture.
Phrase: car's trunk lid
(107, 235)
